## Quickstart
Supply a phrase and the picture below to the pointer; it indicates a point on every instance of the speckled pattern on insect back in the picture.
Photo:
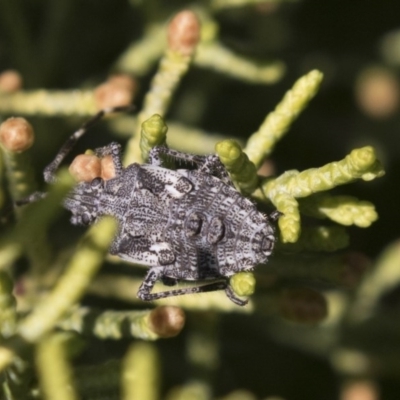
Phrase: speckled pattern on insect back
(185, 225)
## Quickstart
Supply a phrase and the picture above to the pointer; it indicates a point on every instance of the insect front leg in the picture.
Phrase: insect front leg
(213, 166)
(156, 153)
(114, 150)
(210, 164)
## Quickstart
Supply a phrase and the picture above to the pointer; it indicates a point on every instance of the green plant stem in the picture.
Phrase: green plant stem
(109, 324)
(55, 374)
(173, 66)
(34, 221)
(49, 103)
(140, 374)
(71, 286)
(214, 55)
(125, 288)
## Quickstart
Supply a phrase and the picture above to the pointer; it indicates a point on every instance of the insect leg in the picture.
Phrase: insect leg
(274, 216)
(156, 152)
(144, 292)
(50, 170)
(147, 285)
(213, 166)
(35, 196)
(114, 150)
(231, 295)
(210, 164)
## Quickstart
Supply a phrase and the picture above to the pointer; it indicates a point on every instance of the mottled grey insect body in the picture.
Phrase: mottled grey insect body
(185, 225)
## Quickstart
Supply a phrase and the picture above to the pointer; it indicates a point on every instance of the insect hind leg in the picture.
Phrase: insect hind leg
(232, 296)
(144, 292)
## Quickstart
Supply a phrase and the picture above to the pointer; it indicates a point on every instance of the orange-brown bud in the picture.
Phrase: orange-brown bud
(16, 134)
(167, 321)
(107, 168)
(360, 389)
(10, 81)
(123, 80)
(118, 90)
(184, 33)
(377, 92)
(85, 167)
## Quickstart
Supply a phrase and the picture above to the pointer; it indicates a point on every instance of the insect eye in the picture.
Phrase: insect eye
(96, 183)
(86, 219)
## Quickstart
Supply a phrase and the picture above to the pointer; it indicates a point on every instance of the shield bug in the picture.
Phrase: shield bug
(184, 224)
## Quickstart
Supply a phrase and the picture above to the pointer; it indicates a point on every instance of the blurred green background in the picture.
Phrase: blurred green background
(68, 44)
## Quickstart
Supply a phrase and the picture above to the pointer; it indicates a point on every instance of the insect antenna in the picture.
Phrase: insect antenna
(50, 170)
